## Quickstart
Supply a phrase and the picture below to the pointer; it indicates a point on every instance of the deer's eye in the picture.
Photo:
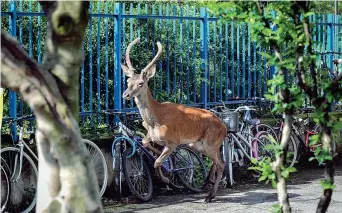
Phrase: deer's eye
(140, 84)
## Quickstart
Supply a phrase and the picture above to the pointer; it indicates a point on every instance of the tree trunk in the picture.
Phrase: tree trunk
(66, 181)
(283, 197)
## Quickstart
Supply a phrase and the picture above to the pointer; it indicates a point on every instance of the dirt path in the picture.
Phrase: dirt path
(304, 192)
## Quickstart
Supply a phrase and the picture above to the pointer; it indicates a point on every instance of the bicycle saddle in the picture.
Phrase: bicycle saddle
(253, 122)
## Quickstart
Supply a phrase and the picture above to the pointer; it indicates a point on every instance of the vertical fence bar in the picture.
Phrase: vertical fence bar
(249, 61)
(238, 60)
(255, 70)
(98, 64)
(167, 55)
(181, 55)
(154, 50)
(117, 52)
(203, 38)
(82, 84)
(30, 47)
(194, 96)
(131, 21)
(12, 94)
(174, 56)
(91, 66)
(161, 61)
(21, 44)
(187, 58)
(39, 38)
(221, 61)
(265, 75)
(232, 60)
(106, 66)
(215, 80)
(260, 72)
(331, 42)
(243, 61)
(208, 79)
(227, 67)
(123, 80)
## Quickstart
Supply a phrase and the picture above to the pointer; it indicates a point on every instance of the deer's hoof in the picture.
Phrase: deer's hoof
(165, 180)
(209, 198)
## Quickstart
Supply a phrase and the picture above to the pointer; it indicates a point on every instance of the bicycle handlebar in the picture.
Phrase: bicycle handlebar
(12, 120)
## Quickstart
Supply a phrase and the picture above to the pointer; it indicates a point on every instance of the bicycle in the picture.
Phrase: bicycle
(24, 180)
(239, 142)
(184, 164)
(5, 185)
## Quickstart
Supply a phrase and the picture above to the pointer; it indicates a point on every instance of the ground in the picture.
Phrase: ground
(304, 191)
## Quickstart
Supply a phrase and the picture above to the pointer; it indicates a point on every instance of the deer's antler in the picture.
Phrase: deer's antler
(160, 49)
(128, 61)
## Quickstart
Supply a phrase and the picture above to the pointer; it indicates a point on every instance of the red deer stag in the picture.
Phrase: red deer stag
(170, 124)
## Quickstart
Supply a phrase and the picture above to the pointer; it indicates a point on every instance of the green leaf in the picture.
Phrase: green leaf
(262, 178)
(254, 161)
(274, 184)
(292, 169)
(285, 174)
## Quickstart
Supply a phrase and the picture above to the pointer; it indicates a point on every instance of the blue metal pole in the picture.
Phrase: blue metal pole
(12, 94)
(203, 38)
(117, 54)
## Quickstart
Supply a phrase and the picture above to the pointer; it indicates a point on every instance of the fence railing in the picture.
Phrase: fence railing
(205, 60)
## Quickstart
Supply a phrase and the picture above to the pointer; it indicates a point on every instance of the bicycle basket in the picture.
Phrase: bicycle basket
(230, 119)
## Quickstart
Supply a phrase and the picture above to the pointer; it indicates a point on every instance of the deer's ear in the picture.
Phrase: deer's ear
(150, 72)
(129, 73)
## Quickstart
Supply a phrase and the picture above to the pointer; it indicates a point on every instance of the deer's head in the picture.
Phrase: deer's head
(137, 83)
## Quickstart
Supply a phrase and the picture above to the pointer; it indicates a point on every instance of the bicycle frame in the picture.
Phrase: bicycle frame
(21, 144)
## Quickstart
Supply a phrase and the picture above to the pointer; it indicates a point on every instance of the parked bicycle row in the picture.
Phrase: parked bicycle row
(133, 162)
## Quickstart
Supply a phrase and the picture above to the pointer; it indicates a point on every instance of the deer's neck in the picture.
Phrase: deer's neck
(147, 106)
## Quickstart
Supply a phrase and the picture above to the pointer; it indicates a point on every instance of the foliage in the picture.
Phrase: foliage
(285, 27)
(179, 76)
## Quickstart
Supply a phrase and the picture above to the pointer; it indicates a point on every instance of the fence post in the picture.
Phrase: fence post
(117, 58)
(204, 52)
(331, 41)
(12, 94)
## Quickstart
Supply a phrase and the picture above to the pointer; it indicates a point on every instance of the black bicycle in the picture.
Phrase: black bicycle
(183, 168)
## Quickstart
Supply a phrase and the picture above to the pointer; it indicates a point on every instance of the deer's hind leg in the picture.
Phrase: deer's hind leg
(214, 154)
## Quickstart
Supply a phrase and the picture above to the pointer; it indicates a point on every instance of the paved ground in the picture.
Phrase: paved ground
(304, 192)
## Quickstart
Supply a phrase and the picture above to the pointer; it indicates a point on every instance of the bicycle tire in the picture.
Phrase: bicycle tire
(5, 185)
(227, 152)
(266, 128)
(101, 173)
(292, 148)
(13, 205)
(133, 172)
(117, 169)
(174, 183)
(189, 180)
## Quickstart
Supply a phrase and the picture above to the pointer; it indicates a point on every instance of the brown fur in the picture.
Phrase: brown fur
(171, 124)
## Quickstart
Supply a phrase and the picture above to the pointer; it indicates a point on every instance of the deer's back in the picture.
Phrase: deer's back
(188, 124)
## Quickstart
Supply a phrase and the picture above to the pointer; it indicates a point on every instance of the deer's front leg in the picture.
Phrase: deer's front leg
(164, 155)
(147, 139)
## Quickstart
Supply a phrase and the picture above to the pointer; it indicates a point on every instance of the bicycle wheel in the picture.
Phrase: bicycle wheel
(137, 175)
(23, 194)
(117, 169)
(263, 140)
(190, 168)
(174, 183)
(265, 128)
(5, 185)
(99, 163)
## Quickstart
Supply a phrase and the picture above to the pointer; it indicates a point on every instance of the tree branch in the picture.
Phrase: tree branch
(51, 93)
(285, 97)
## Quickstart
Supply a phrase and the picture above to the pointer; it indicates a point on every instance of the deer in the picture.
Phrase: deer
(170, 124)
